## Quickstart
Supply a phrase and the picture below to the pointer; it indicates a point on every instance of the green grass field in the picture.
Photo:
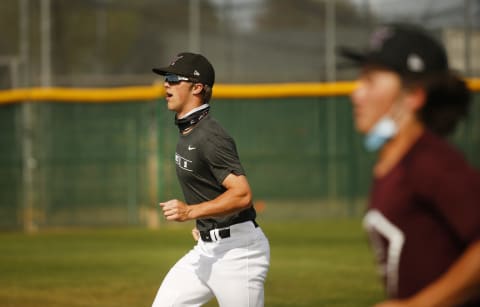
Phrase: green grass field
(314, 263)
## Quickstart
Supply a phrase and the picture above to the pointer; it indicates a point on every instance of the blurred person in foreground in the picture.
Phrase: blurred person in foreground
(423, 219)
(232, 255)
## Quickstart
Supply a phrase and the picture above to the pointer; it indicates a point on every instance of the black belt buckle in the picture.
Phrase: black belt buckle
(224, 233)
(215, 234)
(218, 234)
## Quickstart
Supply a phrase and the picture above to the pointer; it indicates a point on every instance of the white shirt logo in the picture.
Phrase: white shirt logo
(190, 147)
(183, 163)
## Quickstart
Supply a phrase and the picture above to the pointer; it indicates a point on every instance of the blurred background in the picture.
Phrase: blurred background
(65, 162)
(91, 43)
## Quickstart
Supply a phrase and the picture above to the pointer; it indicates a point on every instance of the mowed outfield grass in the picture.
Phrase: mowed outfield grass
(313, 263)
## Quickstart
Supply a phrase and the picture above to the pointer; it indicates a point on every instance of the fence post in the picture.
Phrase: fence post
(29, 165)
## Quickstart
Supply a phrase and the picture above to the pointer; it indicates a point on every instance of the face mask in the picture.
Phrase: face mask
(383, 130)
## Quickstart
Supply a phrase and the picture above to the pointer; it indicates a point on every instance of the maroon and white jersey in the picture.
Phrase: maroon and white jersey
(423, 215)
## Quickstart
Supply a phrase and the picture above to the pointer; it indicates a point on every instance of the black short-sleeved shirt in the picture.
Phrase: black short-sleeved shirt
(423, 215)
(204, 158)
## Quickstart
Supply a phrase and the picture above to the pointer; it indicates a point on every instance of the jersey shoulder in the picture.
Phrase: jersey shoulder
(213, 132)
(433, 154)
(435, 161)
(213, 127)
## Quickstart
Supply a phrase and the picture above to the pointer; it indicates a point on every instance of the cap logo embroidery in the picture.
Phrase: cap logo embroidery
(379, 37)
(415, 63)
(178, 57)
(196, 73)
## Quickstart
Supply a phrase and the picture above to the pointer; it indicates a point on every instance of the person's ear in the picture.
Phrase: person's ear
(416, 98)
(197, 88)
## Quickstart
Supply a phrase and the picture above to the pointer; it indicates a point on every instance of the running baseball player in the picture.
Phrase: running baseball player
(231, 258)
(423, 219)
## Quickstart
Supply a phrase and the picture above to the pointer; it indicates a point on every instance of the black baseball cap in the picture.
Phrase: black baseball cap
(406, 49)
(191, 65)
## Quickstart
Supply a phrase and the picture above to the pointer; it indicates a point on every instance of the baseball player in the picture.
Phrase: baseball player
(423, 219)
(232, 255)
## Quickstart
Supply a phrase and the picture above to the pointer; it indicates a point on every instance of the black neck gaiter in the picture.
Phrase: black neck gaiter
(192, 119)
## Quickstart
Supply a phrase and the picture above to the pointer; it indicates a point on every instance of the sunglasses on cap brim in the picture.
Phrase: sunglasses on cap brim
(175, 79)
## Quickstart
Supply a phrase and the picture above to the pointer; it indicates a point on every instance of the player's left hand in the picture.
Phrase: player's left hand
(175, 210)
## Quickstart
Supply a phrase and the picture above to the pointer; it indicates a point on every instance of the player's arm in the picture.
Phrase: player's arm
(458, 285)
(237, 197)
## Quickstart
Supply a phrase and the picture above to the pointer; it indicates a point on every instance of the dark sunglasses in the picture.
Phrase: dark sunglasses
(175, 79)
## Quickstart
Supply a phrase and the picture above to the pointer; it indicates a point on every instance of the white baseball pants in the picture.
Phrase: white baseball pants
(232, 269)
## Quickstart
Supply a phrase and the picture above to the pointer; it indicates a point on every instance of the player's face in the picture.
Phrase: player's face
(377, 90)
(178, 95)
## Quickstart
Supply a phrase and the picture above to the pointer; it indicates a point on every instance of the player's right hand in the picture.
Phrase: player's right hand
(176, 210)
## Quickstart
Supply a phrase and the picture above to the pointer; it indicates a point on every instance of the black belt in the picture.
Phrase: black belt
(222, 233)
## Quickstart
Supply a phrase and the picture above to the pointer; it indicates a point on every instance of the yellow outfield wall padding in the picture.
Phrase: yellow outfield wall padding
(283, 90)
(156, 91)
(83, 94)
(474, 84)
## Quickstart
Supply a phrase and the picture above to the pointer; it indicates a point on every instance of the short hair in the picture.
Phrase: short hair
(206, 93)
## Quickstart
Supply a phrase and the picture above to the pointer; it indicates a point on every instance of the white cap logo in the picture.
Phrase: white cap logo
(196, 73)
(415, 63)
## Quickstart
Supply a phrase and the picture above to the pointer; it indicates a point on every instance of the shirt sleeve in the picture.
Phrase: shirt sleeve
(222, 157)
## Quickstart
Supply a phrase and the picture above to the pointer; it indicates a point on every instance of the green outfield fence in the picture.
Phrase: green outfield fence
(103, 157)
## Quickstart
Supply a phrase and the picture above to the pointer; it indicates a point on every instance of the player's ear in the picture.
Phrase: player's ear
(416, 98)
(197, 88)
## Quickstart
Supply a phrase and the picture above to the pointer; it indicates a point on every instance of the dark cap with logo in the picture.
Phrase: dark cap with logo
(406, 49)
(191, 65)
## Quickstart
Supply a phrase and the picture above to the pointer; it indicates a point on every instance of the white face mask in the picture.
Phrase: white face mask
(380, 133)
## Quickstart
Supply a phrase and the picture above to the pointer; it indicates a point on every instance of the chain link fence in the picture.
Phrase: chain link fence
(90, 164)
(93, 43)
